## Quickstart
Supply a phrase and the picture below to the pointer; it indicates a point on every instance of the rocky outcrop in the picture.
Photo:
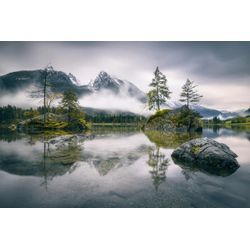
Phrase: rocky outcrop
(206, 154)
(178, 120)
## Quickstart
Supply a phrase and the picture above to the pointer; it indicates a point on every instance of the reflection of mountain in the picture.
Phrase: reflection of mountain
(217, 131)
(43, 161)
(57, 157)
(104, 164)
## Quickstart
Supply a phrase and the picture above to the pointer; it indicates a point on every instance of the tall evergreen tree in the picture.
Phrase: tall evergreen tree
(189, 94)
(70, 106)
(159, 92)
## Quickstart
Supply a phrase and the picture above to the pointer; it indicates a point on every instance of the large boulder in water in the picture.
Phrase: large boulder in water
(206, 154)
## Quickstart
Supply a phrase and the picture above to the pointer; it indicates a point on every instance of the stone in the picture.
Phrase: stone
(208, 155)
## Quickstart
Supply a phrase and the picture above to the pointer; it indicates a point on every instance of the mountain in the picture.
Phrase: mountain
(117, 86)
(58, 80)
(247, 112)
(205, 112)
(61, 81)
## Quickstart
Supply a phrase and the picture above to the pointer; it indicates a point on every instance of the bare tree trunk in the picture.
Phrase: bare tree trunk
(158, 104)
(44, 97)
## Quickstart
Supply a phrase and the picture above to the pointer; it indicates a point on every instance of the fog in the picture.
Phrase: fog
(110, 101)
(20, 99)
(101, 100)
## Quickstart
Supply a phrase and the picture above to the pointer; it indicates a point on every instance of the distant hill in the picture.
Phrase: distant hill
(58, 80)
(205, 112)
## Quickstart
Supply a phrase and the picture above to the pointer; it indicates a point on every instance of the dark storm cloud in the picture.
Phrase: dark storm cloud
(211, 59)
(227, 60)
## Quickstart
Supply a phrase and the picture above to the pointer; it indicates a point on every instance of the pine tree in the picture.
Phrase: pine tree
(189, 94)
(159, 92)
(69, 105)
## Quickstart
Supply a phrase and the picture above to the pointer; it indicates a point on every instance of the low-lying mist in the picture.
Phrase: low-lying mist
(110, 101)
(20, 99)
(98, 100)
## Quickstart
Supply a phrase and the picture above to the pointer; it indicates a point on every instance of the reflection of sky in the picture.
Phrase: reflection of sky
(239, 145)
(116, 144)
(129, 185)
(21, 148)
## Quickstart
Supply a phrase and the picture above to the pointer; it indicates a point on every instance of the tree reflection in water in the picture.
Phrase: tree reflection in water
(59, 159)
(158, 166)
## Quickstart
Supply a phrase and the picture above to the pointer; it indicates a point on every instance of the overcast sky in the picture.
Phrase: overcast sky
(221, 69)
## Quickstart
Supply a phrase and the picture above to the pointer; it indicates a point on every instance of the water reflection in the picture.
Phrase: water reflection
(49, 156)
(158, 164)
(115, 169)
(34, 155)
(170, 140)
(223, 172)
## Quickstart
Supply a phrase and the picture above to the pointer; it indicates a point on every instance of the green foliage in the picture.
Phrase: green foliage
(186, 117)
(229, 122)
(11, 114)
(159, 113)
(195, 150)
(216, 120)
(69, 106)
(159, 92)
(239, 120)
(115, 118)
(169, 140)
(29, 114)
(182, 119)
(189, 94)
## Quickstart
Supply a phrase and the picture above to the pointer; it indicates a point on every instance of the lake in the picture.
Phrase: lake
(117, 168)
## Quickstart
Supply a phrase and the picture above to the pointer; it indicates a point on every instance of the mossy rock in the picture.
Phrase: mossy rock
(179, 120)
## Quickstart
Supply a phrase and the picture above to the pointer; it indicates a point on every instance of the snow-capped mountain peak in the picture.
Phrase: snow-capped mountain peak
(104, 81)
(115, 85)
(73, 79)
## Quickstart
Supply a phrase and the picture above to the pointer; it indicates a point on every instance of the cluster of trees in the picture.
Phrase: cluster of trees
(235, 120)
(160, 92)
(10, 114)
(114, 118)
(68, 111)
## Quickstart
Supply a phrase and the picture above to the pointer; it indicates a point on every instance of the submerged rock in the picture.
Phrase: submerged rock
(206, 154)
(65, 139)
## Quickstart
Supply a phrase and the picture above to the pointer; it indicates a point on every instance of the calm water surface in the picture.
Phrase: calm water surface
(117, 168)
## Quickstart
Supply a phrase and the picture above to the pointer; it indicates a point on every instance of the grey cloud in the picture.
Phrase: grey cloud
(208, 63)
